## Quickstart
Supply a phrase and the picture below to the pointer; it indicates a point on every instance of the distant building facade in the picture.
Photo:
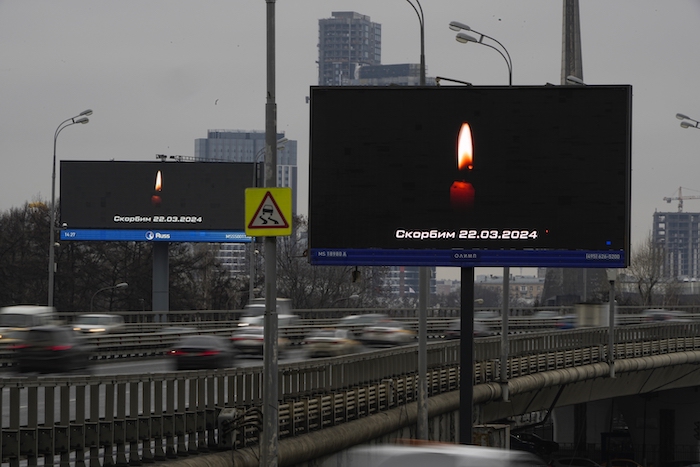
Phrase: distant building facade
(401, 74)
(404, 281)
(523, 290)
(246, 146)
(346, 42)
(678, 234)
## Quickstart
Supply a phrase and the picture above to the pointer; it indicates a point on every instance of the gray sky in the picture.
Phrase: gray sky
(153, 71)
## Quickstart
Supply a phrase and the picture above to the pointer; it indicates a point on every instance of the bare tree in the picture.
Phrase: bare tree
(646, 267)
(323, 286)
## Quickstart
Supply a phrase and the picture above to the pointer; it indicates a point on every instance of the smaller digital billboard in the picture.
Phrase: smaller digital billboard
(470, 176)
(154, 201)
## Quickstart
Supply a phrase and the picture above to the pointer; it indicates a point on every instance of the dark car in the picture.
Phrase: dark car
(454, 330)
(202, 352)
(533, 443)
(52, 349)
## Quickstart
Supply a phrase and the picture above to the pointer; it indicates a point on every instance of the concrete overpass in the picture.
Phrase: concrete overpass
(329, 404)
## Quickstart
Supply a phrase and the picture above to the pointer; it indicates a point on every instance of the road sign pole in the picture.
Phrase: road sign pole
(269, 435)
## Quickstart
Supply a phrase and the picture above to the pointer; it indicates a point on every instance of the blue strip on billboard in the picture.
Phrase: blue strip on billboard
(468, 258)
(209, 236)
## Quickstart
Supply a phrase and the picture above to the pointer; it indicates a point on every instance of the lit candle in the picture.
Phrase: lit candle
(461, 191)
(462, 196)
(155, 199)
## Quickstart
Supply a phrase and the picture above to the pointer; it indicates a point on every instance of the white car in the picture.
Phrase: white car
(388, 332)
(331, 343)
(98, 323)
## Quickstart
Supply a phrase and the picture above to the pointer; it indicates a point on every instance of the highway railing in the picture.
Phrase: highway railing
(143, 417)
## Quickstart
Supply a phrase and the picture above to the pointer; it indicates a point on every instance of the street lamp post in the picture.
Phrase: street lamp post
(415, 4)
(688, 122)
(467, 327)
(120, 285)
(424, 280)
(466, 38)
(80, 118)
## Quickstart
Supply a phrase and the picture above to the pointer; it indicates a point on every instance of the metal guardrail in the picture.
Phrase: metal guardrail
(142, 417)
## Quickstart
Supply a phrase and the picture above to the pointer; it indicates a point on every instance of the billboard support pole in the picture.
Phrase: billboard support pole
(466, 356)
(269, 436)
(161, 301)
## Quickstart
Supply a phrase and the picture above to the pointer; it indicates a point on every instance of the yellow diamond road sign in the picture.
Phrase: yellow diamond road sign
(268, 212)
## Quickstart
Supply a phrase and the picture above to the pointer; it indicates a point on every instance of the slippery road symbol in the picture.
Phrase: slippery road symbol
(267, 214)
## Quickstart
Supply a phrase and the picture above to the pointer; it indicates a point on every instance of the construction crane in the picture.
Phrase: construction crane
(680, 198)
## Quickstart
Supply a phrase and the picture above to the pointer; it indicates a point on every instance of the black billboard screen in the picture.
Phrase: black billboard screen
(470, 176)
(154, 196)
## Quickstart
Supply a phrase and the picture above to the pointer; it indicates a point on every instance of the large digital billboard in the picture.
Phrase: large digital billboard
(470, 176)
(154, 201)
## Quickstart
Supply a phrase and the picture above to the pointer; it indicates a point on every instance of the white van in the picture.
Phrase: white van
(14, 320)
(254, 310)
(26, 316)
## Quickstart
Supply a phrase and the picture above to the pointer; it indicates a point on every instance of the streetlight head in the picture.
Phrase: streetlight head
(685, 124)
(457, 26)
(575, 80)
(463, 38)
(682, 117)
(85, 112)
(82, 120)
(121, 285)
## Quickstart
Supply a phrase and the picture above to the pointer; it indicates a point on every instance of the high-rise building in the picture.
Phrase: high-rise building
(346, 42)
(247, 146)
(349, 53)
(678, 234)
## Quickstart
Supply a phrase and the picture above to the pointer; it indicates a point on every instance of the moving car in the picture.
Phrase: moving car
(533, 443)
(250, 340)
(361, 321)
(454, 330)
(574, 462)
(331, 343)
(439, 455)
(388, 332)
(52, 349)
(259, 320)
(98, 323)
(202, 352)
(657, 314)
(621, 463)
(255, 310)
(15, 320)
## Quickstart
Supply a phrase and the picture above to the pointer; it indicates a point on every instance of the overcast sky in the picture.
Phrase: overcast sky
(160, 73)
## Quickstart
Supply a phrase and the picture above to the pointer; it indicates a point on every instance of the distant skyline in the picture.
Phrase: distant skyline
(159, 74)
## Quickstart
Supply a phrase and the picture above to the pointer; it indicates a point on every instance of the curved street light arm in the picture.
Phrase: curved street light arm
(463, 38)
(80, 118)
(421, 20)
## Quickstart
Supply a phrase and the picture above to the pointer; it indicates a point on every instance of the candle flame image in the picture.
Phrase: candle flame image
(159, 181)
(155, 199)
(465, 148)
(462, 192)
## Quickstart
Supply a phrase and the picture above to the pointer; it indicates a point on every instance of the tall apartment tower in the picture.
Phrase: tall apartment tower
(247, 146)
(678, 235)
(349, 53)
(346, 42)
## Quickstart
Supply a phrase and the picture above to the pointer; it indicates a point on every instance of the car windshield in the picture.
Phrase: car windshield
(324, 333)
(15, 320)
(93, 320)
